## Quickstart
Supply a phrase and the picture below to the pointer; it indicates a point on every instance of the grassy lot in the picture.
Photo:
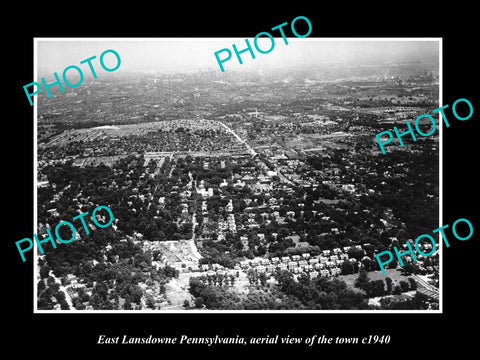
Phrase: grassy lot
(393, 274)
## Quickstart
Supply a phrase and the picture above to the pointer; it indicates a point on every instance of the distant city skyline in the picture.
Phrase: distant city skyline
(194, 54)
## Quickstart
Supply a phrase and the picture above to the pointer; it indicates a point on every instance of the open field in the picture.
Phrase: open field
(394, 274)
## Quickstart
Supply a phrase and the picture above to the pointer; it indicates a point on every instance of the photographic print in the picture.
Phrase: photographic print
(260, 188)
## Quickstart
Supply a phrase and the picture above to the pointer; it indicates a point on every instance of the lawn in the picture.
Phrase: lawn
(393, 274)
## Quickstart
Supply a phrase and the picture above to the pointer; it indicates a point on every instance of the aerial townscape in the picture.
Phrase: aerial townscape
(243, 190)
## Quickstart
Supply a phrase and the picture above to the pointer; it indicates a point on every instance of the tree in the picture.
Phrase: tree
(150, 303)
(413, 283)
(404, 286)
(393, 264)
(199, 303)
(44, 271)
(41, 286)
(252, 276)
(64, 305)
(170, 272)
(409, 268)
(78, 305)
(60, 296)
(263, 279)
(347, 268)
(50, 281)
(389, 285)
(377, 288)
(83, 296)
(355, 253)
(362, 280)
(396, 290)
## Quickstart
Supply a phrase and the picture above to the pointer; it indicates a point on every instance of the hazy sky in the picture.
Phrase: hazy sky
(192, 54)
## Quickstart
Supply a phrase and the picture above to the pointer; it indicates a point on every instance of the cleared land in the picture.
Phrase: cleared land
(394, 274)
